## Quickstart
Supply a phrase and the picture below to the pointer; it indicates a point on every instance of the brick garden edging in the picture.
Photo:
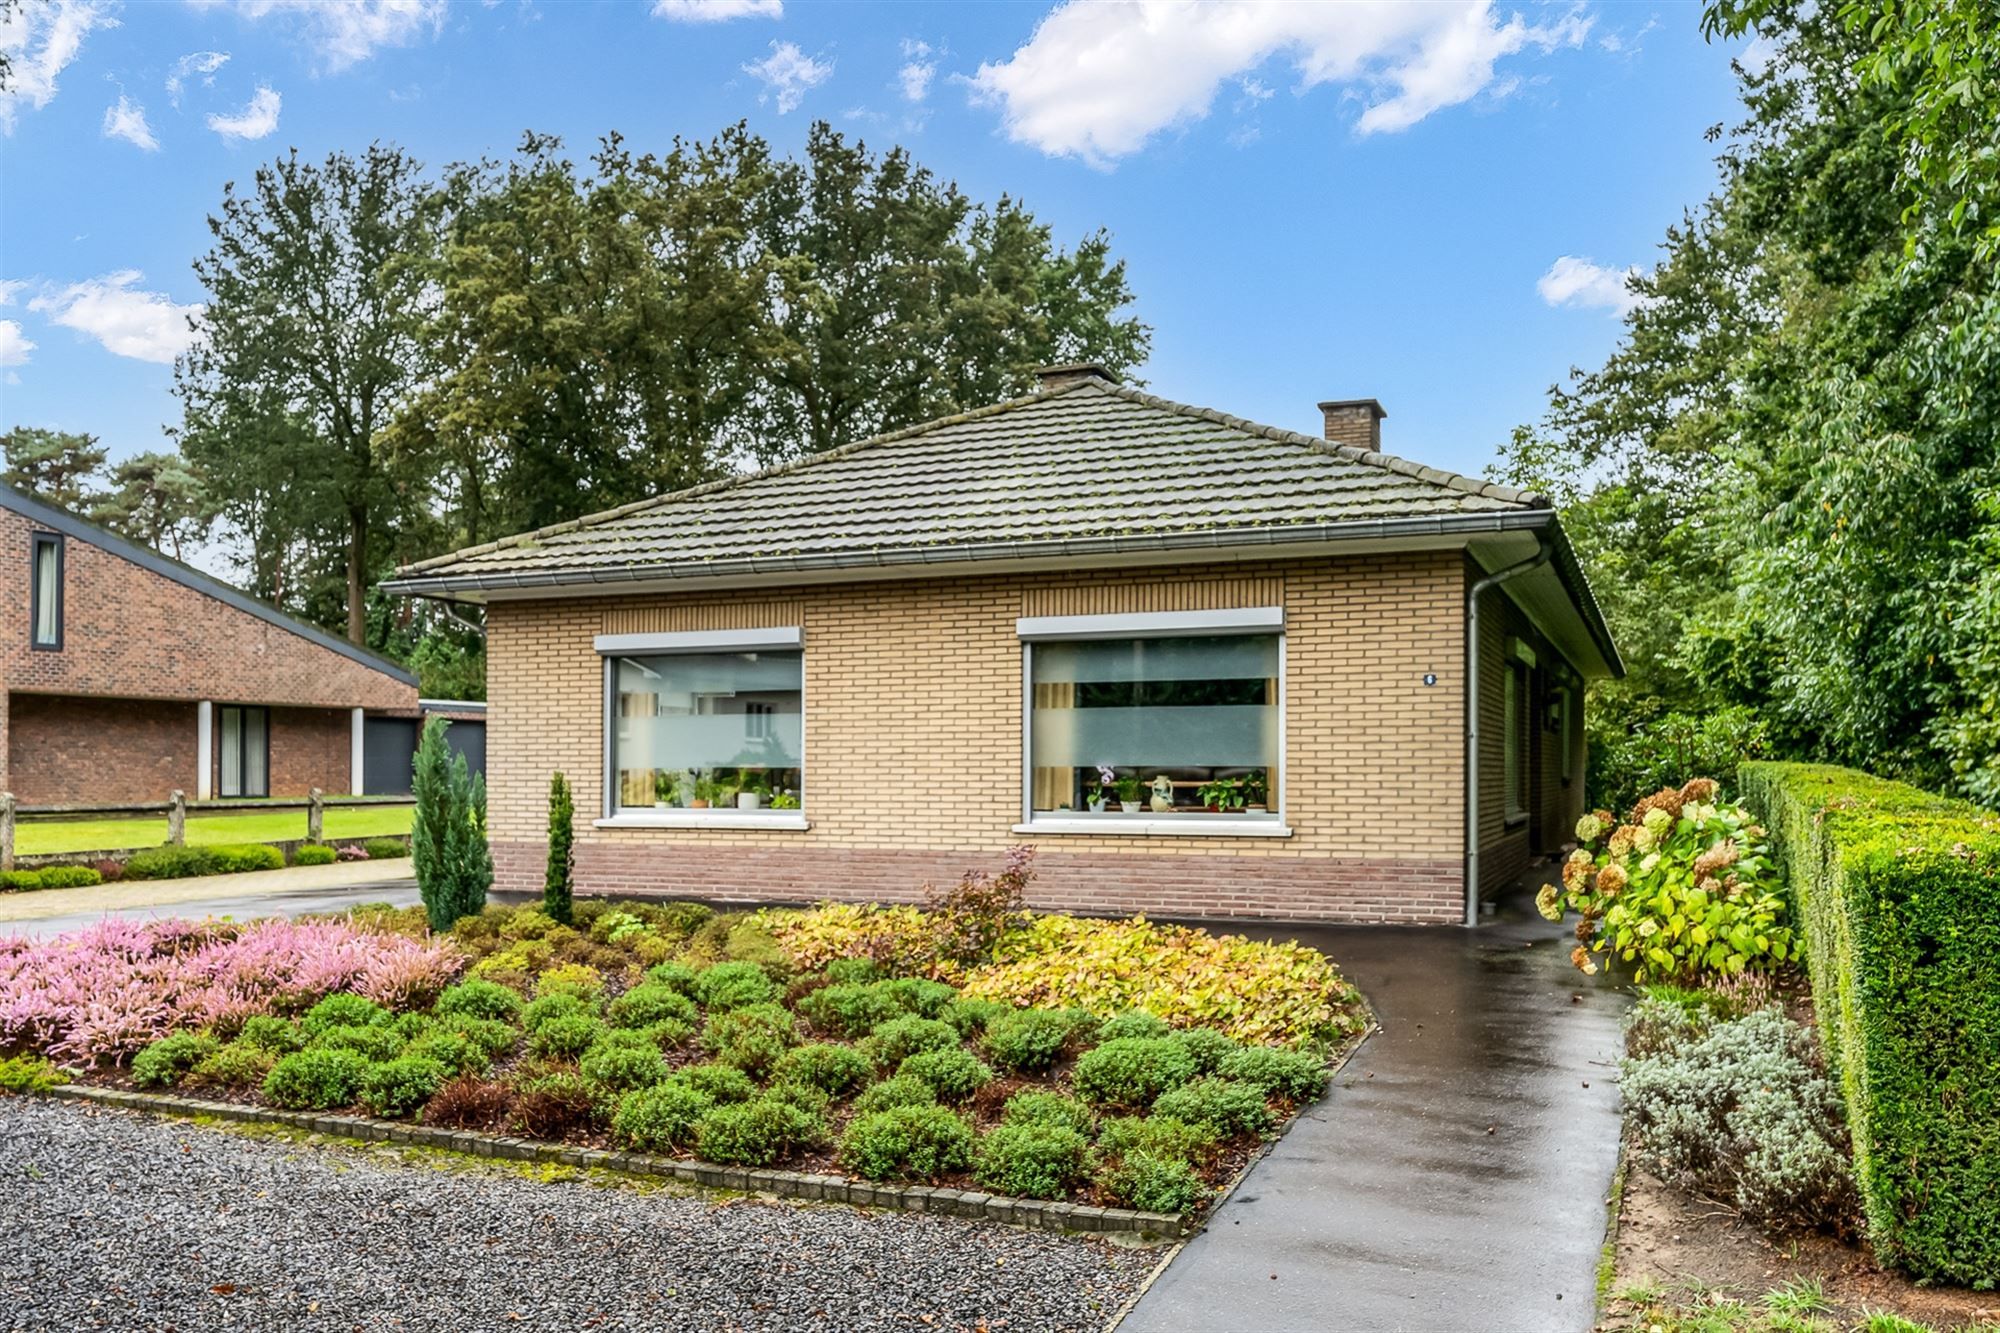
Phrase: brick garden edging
(1035, 1213)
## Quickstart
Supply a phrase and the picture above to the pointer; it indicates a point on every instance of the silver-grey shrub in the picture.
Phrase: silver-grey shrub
(1740, 1110)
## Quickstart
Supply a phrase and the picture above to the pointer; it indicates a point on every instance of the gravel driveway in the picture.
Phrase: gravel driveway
(117, 1220)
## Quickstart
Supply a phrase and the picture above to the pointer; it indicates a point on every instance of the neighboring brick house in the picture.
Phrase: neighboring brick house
(125, 676)
(915, 651)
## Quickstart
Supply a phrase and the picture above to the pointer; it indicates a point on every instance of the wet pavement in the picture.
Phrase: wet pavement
(1456, 1175)
(239, 907)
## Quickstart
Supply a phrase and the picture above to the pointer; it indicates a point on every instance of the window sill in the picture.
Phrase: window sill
(1515, 819)
(1122, 826)
(731, 819)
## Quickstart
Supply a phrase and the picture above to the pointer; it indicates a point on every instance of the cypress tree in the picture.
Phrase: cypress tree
(448, 837)
(556, 890)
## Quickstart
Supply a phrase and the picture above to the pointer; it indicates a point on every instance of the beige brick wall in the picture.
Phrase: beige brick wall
(913, 741)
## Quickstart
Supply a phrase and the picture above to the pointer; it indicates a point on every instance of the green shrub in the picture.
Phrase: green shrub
(51, 877)
(660, 1118)
(581, 980)
(24, 1074)
(643, 1006)
(458, 1053)
(376, 1043)
(1276, 1072)
(1028, 1040)
(168, 1060)
(1158, 1135)
(954, 1073)
(1032, 1159)
(1898, 895)
(844, 970)
(891, 1043)
(20, 880)
(757, 1132)
(316, 1080)
(1206, 1047)
(448, 831)
(386, 849)
(1740, 1110)
(919, 996)
(1132, 1071)
(169, 863)
(1154, 1184)
(1232, 1110)
(674, 976)
(721, 1083)
(342, 1011)
(907, 1143)
(408, 1027)
(1132, 1023)
(493, 1037)
(556, 1105)
(668, 1033)
(557, 895)
(620, 1068)
(548, 1008)
(1686, 886)
(849, 1009)
(802, 1095)
(891, 1093)
(566, 1036)
(1049, 1108)
(476, 998)
(315, 854)
(733, 986)
(239, 1064)
(276, 1035)
(396, 1088)
(752, 1038)
(835, 1070)
(235, 858)
(971, 1016)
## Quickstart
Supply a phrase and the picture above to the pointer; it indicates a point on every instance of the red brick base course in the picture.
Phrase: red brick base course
(1404, 892)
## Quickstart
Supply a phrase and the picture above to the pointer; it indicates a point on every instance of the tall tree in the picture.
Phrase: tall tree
(156, 499)
(62, 467)
(310, 344)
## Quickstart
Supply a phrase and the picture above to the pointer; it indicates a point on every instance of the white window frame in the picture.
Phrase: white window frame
(1257, 620)
(1518, 662)
(611, 647)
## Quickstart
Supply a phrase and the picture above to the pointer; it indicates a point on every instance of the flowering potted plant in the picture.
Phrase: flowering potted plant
(1129, 788)
(1107, 777)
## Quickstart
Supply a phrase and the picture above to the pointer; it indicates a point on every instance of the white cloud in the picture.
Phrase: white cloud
(127, 120)
(40, 40)
(346, 32)
(254, 121)
(915, 80)
(788, 74)
(717, 11)
(146, 326)
(202, 64)
(14, 346)
(1585, 284)
(1096, 80)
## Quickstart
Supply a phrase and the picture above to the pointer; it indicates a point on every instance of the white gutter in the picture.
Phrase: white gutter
(1493, 580)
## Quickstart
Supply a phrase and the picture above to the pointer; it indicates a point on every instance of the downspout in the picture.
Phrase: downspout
(1493, 580)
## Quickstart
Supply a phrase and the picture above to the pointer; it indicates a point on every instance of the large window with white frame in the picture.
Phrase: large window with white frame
(719, 730)
(1179, 725)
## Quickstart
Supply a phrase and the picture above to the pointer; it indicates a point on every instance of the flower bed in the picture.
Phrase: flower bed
(665, 1029)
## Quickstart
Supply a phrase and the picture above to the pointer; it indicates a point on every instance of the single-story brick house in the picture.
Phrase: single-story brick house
(125, 676)
(884, 664)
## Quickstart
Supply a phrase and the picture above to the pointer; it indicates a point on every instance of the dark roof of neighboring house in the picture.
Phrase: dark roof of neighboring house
(1090, 466)
(61, 520)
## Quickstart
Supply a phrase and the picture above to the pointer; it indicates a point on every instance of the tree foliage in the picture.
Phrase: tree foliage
(448, 847)
(61, 467)
(1787, 476)
(557, 886)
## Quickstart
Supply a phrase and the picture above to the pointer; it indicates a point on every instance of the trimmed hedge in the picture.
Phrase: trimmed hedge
(50, 877)
(1898, 891)
(223, 859)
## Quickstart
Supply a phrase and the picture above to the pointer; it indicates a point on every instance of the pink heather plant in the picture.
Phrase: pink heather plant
(103, 992)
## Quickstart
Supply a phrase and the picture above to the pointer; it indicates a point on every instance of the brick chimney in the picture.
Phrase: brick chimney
(1050, 378)
(1355, 421)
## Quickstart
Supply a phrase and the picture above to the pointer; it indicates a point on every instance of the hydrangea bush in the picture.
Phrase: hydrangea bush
(1684, 886)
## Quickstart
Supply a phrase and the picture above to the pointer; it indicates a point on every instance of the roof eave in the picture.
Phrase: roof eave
(1345, 532)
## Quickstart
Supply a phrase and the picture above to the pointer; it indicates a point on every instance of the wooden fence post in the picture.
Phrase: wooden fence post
(6, 830)
(177, 818)
(315, 815)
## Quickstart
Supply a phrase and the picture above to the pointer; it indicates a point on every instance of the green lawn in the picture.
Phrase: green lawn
(37, 837)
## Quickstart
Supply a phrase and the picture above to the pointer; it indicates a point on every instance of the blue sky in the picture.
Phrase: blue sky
(1427, 204)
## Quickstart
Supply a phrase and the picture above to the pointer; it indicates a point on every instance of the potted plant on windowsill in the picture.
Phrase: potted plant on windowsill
(1255, 792)
(751, 795)
(1107, 778)
(1130, 787)
(1221, 795)
(784, 800)
(706, 790)
(663, 789)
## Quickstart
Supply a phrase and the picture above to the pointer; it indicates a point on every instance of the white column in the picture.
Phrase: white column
(204, 749)
(355, 754)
